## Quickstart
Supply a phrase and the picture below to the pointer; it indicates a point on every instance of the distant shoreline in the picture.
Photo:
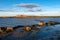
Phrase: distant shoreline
(29, 16)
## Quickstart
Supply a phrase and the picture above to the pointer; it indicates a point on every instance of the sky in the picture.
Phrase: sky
(30, 7)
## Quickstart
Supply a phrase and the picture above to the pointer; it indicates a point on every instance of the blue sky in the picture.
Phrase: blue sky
(44, 7)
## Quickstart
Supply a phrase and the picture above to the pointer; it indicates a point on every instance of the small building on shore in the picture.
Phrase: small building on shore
(23, 16)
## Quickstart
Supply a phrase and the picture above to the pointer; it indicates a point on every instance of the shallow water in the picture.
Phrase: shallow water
(23, 21)
(45, 33)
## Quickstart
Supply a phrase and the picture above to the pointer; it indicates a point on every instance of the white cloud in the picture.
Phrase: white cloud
(36, 10)
(30, 7)
(49, 13)
(27, 5)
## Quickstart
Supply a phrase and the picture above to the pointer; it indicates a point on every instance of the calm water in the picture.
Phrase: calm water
(23, 21)
(45, 33)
